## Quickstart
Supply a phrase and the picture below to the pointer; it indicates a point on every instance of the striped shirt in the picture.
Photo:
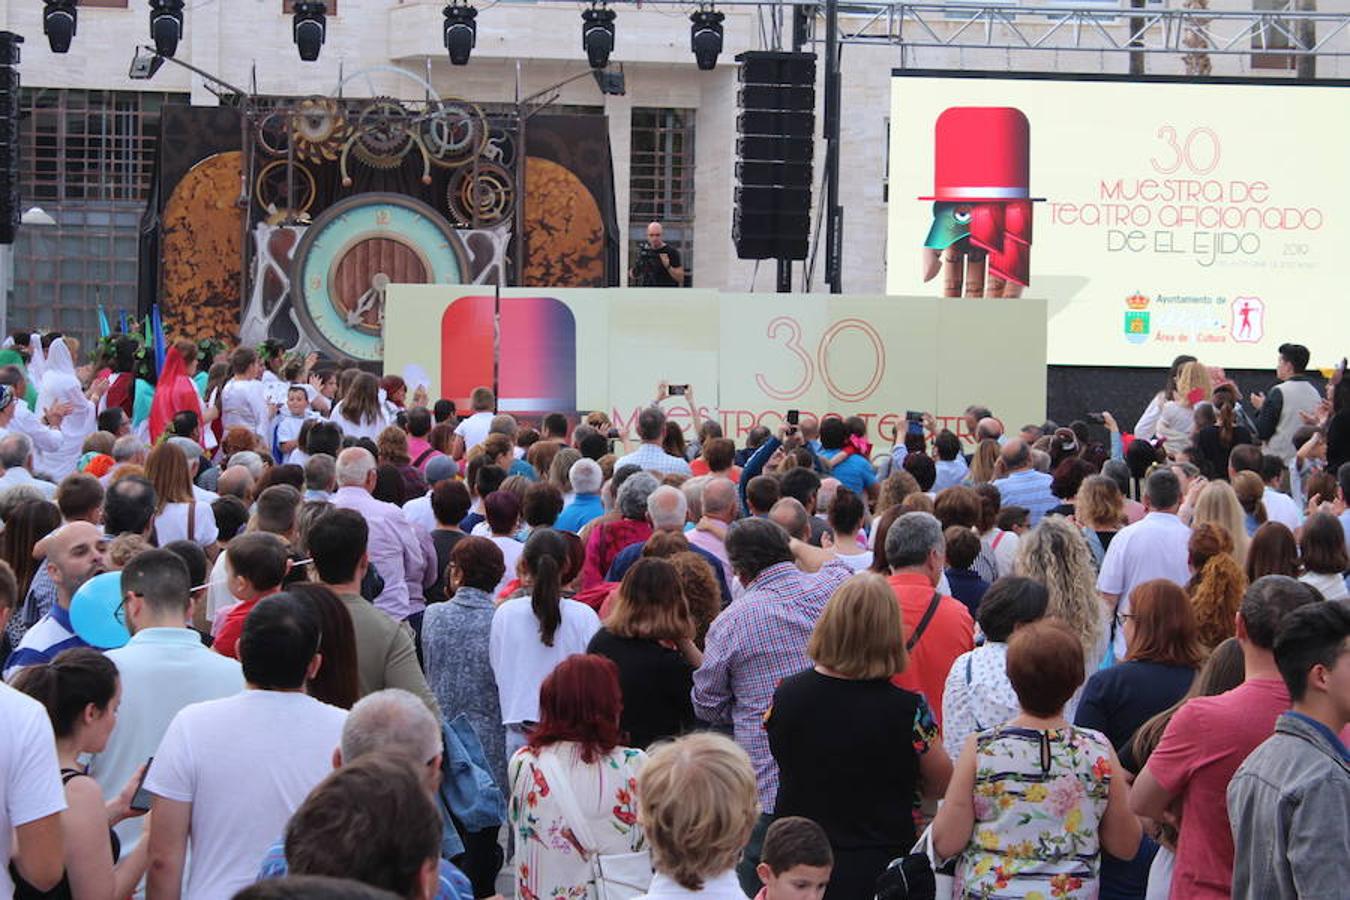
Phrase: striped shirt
(1028, 488)
(52, 634)
(651, 456)
(759, 640)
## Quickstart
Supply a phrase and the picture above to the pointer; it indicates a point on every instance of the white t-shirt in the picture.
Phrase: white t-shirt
(245, 763)
(521, 661)
(288, 426)
(1280, 507)
(30, 776)
(858, 562)
(244, 403)
(172, 524)
(418, 511)
(474, 429)
(511, 551)
(370, 428)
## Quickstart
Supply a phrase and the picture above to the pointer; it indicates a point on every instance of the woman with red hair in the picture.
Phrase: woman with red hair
(574, 786)
(176, 391)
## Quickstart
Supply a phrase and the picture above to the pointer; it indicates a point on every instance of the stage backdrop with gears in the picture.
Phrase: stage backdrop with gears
(286, 220)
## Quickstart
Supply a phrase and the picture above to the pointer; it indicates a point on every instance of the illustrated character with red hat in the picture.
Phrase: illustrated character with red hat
(982, 202)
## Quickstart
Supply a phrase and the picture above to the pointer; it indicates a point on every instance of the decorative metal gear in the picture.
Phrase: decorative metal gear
(319, 128)
(500, 147)
(455, 132)
(384, 127)
(278, 190)
(482, 195)
(274, 133)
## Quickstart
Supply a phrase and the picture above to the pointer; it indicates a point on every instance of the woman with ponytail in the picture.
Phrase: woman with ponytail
(1217, 583)
(1216, 440)
(1251, 491)
(531, 634)
(81, 692)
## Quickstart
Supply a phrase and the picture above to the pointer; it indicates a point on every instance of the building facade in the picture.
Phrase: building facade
(90, 132)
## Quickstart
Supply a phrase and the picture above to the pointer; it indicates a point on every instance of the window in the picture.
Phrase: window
(88, 145)
(87, 158)
(661, 179)
(62, 272)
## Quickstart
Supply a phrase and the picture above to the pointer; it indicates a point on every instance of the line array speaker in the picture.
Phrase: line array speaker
(775, 145)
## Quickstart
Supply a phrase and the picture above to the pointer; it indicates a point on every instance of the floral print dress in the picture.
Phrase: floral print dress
(1039, 798)
(550, 862)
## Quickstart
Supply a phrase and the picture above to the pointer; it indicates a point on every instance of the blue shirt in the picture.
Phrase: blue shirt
(630, 554)
(950, 473)
(582, 509)
(452, 884)
(1028, 488)
(41, 643)
(162, 671)
(856, 473)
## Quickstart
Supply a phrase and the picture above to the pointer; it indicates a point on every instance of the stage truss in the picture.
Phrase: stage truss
(1097, 28)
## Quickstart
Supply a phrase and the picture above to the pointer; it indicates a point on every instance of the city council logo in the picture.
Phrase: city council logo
(1136, 318)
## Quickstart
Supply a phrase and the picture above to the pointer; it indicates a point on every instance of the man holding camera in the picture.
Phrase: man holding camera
(658, 264)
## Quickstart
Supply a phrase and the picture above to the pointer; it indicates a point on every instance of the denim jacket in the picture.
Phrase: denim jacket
(467, 788)
(1287, 804)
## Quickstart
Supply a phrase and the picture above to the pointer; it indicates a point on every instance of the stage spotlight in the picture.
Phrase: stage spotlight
(705, 37)
(58, 23)
(310, 28)
(461, 32)
(166, 25)
(597, 35)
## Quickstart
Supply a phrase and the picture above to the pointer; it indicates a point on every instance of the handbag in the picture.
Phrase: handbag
(919, 875)
(614, 876)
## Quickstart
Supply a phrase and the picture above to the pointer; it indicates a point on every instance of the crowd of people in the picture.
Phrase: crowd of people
(376, 645)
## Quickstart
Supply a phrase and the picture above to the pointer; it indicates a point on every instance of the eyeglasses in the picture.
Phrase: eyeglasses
(1122, 617)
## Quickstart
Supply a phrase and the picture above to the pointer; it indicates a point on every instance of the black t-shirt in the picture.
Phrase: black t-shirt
(655, 681)
(444, 542)
(846, 758)
(650, 271)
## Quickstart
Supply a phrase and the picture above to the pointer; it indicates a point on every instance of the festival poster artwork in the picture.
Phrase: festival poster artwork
(1170, 217)
(747, 358)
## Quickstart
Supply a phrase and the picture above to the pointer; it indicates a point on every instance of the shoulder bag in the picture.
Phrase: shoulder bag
(923, 622)
(614, 876)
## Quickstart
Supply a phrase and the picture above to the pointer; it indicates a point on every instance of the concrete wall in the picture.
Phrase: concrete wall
(528, 46)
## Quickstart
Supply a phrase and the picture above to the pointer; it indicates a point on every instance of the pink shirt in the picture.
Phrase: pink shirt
(418, 446)
(1203, 746)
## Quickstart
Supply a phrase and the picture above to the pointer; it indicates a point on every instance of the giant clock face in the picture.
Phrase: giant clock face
(353, 252)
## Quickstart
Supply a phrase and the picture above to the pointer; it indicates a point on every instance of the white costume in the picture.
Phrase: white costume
(59, 384)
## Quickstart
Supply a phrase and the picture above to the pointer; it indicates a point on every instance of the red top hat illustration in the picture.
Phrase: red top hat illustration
(982, 154)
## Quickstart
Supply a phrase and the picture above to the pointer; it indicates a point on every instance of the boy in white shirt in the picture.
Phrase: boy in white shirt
(286, 431)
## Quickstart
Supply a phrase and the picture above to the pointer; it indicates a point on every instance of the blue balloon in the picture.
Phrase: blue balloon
(98, 614)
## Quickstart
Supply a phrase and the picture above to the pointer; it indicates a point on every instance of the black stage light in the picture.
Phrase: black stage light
(461, 32)
(705, 37)
(58, 23)
(166, 25)
(310, 28)
(597, 35)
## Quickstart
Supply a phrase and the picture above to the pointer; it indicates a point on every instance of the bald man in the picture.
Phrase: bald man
(657, 264)
(1021, 484)
(74, 554)
(720, 509)
(794, 518)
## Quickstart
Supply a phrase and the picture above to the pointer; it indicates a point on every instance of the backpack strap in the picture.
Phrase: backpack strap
(417, 463)
(923, 623)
